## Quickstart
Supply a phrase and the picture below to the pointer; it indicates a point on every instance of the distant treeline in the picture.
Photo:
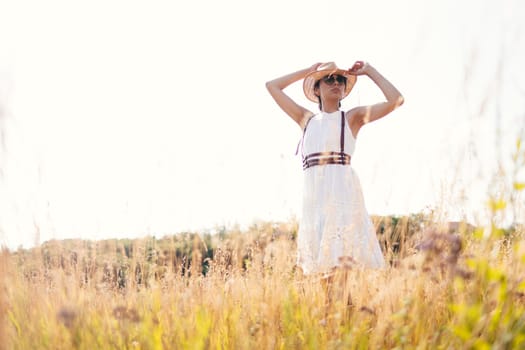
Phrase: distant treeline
(121, 263)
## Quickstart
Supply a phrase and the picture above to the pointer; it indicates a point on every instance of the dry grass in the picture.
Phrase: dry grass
(458, 291)
(4, 256)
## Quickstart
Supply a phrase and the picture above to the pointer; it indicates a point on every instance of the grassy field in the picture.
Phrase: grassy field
(452, 288)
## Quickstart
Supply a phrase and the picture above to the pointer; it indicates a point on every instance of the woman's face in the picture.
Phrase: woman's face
(331, 86)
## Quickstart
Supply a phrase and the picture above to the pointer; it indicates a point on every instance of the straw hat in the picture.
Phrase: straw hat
(323, 70)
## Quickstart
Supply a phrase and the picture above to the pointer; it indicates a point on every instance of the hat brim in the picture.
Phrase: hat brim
(312, 78)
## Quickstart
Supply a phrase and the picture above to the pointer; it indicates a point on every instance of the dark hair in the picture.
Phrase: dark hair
(316, 86)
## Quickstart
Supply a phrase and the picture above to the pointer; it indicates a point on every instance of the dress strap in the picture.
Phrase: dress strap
(342, 132)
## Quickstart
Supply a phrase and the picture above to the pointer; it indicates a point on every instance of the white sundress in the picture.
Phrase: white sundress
(334, 224)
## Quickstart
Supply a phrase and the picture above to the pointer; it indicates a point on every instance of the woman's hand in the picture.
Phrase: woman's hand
(359, 68)
(314, 67)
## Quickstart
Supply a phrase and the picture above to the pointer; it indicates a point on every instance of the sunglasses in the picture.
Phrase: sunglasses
(331, 79)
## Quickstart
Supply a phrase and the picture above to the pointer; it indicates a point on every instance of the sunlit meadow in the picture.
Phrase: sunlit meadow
(447, 286)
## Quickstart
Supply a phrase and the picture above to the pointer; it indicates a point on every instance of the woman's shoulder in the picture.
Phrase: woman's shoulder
(307, 118)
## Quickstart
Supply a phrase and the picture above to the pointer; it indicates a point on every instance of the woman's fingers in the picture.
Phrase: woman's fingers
(315, 66)
(357, 68)
(357, 65)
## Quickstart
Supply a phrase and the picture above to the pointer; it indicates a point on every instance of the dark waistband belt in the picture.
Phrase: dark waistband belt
(323, 158)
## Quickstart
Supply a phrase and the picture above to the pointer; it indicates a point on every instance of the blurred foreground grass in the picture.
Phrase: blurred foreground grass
(448, 287)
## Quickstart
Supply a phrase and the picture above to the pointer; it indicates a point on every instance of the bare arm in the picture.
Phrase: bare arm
(362, 115)
(275, 87)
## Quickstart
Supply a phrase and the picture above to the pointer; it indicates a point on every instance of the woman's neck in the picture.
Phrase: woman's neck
(330, 106)
(330, 109)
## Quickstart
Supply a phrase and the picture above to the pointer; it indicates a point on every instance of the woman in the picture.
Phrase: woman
(335, 227)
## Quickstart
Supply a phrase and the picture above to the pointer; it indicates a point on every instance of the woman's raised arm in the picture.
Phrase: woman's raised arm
(298, 113)
(365, 114)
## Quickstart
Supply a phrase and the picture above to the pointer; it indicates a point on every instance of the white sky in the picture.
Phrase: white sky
(126, 118)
